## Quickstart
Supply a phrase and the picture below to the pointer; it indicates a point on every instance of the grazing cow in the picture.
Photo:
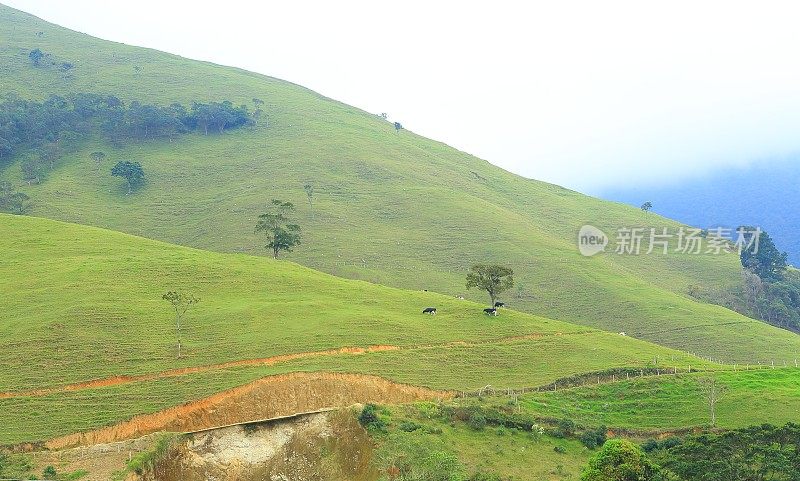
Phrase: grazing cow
(622, 334)
(491, 311)
(499, 304)
(429, 310)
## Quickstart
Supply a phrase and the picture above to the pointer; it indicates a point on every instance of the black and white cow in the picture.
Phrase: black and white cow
(491, 311)
(499, 304)
(429, 310)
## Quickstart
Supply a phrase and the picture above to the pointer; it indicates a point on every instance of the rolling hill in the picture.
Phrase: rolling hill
(86, 340)
(391, 207)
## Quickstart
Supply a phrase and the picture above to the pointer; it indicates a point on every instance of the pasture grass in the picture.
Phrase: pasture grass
(390, 207)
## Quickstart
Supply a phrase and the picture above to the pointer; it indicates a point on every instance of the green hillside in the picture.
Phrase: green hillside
(82, 303)
(667, 403)
(390, 207)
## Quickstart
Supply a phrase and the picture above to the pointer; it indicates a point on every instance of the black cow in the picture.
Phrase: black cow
(491, 311)
(499, 304)
(429, 310)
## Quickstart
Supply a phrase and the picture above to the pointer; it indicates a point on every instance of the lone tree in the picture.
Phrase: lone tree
(309, 188)
(493, 279)
(10, 200)
(36, 56)
(258, 110)
(398, 126)
(131, 171)
(713, 392)
(276, 224)
(98, 158)
(180, 303)
(647, 206)
(17, 202)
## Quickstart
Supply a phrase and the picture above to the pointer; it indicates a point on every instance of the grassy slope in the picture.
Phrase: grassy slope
(671, 402)
(83, 303)
(393, 208)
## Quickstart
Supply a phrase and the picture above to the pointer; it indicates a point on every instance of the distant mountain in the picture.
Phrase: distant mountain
(767, 195)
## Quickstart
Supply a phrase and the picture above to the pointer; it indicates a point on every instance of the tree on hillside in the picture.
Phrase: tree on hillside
(31, 170)
(98, 158)
(180, 303)
(258, 110)
(760, 255)
(10, 200)
(647, 206)
(276, 224)
(620, 460)
(758, 453)
(36, 56)
(17, 202)
(309, 188)
(51, 152)
(713, 392)
(398, 126)
(132, 172)
(493, 279)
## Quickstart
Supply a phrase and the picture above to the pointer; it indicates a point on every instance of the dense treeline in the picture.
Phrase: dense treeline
(771, 289)
(52, 127)
(759, 453)
(756, 453)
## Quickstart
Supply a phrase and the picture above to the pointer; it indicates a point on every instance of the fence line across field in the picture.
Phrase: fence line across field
(593, 379)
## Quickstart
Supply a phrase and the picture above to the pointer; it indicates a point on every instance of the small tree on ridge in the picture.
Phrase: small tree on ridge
(276, 224)
(181, 303)
(493, 279)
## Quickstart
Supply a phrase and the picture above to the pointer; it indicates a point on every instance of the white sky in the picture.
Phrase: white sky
(588, 95)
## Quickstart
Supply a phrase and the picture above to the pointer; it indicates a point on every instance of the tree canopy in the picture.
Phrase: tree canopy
(276, 224)
(132, 172)
(760, 255)
(620, 460)
(63, 122)
(493, 279)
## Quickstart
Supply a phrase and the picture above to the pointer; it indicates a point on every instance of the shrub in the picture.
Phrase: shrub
(477, 421)
(670, 442)
(567, 427)
(409, 426)
(433, 429)
(650, 445)
(49, 473)
(560, 449)
(369, 418)
(593, 438)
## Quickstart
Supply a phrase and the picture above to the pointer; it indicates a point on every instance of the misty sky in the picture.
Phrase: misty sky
(588, 95)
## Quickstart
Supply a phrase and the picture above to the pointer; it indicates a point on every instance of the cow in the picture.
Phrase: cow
(429, 310)
(499, 304)
(491, 311)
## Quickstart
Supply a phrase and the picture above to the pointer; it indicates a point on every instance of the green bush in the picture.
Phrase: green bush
(477, 421)
(409, 426)
(567, 427)
(593, 438)
(49, 473)
(369, 418)
(560, 449)
(650, 445)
